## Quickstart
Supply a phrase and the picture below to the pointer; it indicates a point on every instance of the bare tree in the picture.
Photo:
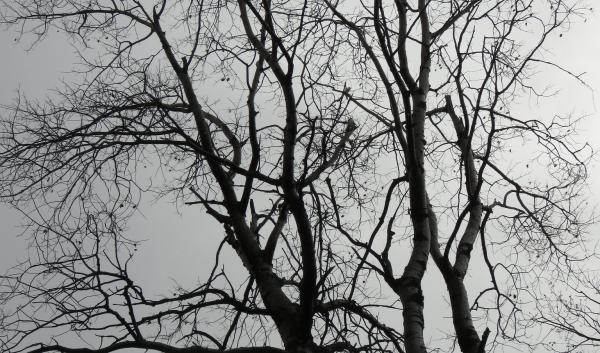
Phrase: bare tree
(357, 141)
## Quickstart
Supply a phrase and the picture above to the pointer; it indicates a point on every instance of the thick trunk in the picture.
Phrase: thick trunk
(284, 313)
(412, 300)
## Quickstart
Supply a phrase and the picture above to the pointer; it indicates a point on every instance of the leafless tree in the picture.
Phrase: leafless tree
(339, 144)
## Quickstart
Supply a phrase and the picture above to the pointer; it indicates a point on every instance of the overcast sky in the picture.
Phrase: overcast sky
(174, 247)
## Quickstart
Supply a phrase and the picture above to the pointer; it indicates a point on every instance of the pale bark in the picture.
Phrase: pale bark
(409, 285)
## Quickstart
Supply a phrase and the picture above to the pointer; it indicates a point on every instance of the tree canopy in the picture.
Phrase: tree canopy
(344, 148)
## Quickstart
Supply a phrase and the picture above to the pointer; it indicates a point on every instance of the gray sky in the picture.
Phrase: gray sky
(173, 245)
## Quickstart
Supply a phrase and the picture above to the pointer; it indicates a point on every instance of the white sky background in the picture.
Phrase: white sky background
(174, 247)
(35, 72)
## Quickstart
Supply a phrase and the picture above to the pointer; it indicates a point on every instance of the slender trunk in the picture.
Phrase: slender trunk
(409, 285)
(468, 338)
